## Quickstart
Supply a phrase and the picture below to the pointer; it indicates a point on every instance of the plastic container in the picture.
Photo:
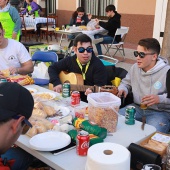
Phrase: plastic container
(103, 110)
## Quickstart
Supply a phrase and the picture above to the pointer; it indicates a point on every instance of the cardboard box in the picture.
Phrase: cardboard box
(34, 48)
(160, 148)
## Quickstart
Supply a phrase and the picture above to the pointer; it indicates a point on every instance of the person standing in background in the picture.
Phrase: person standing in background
(32, 8)
(10, 20)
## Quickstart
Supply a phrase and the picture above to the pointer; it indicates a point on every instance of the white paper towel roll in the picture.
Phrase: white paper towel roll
(108, 156)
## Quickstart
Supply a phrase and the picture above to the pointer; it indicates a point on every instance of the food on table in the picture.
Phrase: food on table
(83, 27)
(21, 79)
(49, 110)
(92, 129)
(66, 128)
(46, 96)
(39, 112)
(38, 105)
(40, 127)
(152, 144)
(6, 72)
(32, 131)
(104, 117)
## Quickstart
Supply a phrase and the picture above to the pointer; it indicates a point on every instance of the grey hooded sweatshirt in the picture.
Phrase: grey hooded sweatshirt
(151, 82)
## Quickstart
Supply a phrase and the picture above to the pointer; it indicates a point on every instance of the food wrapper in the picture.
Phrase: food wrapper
(90, 128)
(21, 79)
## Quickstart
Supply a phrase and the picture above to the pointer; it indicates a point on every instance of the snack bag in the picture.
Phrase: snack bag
(21, 79)
(6, 72)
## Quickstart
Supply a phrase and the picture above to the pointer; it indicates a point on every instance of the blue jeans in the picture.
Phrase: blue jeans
(159, 119)
(106, 40)
(22, 158)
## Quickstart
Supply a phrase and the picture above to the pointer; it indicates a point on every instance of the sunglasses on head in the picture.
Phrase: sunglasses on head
(141, 54)
(26, 124)
(88, 49)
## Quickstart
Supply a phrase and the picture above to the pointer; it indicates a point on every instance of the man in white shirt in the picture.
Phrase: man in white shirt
(13, 56)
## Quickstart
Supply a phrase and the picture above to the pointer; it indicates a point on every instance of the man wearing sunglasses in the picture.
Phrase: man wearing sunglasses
(147, 79)
(16, 105)
(83, 62)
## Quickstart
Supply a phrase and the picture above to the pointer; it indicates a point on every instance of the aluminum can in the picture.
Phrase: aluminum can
(130, 115)
(3, 80)
(75, 98)
(66, 90)
(82, 143)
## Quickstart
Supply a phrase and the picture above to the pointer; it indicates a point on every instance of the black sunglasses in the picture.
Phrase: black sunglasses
(26, 124)
(82, 49)
(141, 54)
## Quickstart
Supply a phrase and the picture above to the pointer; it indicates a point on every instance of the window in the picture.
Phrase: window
(50, 6)
(96, 7)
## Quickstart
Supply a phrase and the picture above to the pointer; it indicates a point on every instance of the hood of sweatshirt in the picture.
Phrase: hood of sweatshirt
(6, 8)
(161, 63)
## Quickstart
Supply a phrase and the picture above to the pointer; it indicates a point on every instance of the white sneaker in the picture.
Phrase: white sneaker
(96, 41)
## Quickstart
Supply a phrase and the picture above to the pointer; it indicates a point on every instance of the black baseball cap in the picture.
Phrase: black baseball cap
(15, 100)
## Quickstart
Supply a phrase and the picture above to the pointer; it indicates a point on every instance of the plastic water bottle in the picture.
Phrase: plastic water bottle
(168, 158)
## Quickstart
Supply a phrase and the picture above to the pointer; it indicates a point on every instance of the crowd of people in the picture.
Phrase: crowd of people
(148, 79)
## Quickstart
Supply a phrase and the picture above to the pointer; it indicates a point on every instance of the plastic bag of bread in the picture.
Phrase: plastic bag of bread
(21, 79)
(6, 72)
(32, 132)
(38, 105)
(39, 113)
(40, 127)
(49, 110)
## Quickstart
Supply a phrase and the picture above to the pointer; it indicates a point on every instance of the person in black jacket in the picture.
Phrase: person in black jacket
(83, 62)
(111, 26)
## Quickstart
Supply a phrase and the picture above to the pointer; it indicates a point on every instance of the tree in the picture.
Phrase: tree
(166, 38)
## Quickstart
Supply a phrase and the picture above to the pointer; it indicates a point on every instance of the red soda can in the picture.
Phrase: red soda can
(75, 98)
(82, 143)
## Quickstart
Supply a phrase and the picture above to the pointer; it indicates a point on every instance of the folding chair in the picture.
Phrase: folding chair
(27, 31)
(42, 56)
(52, 22)
(118, 46)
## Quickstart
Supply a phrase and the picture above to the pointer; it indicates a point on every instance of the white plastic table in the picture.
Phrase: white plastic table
(69, 160)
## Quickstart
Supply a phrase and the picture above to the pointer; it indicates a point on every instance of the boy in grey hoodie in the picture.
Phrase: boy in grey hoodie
(148, 81)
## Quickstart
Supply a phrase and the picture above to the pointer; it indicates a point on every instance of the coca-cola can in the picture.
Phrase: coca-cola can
(82, 143)
(75, 98)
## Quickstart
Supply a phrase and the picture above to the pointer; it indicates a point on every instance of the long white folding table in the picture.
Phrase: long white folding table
(69, 160)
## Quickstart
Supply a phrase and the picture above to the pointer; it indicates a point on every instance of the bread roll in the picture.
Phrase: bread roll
(32, 132)
(39, 112)
(49, 110)
(6, 72)
(40, 127)
(38, 105)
